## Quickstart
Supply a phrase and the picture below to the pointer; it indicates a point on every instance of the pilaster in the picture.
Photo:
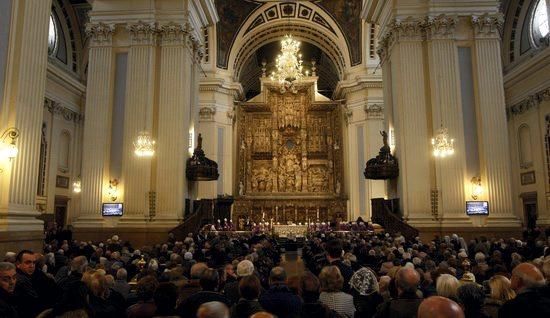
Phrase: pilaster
(447, 112)
(138, 116)
(97, 127)
(494, 146)
(25, 85)
(173, 134)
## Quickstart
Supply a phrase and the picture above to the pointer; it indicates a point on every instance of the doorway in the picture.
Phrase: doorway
(530, 209)
(60, 209)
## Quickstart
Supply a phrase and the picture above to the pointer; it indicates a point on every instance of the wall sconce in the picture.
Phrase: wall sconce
(77, 186)
(113, 191)
(477, 189)
(8, 149)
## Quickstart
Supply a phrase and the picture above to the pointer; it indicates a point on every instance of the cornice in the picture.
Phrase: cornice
(343, 88)
(220, 86)
(58, 109)
(531, 101)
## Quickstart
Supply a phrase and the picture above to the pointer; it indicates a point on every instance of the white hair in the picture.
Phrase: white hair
(213, 309)
(447, 286)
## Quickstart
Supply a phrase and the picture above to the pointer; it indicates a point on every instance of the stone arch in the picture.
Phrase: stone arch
(308, 23)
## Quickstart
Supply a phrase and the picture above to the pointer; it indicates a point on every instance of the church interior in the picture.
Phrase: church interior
(144, 117)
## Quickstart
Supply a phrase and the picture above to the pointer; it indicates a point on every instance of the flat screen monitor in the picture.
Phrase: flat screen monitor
(112, 209)
(477, 207)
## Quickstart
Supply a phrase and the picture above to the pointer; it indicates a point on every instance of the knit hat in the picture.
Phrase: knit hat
(245, 268)
(364, 281)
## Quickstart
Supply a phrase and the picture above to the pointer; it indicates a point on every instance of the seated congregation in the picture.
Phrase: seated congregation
(230, 275)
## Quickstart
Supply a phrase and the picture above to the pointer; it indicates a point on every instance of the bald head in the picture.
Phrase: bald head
(262, 314)
(439, 307)
(407, 280)
(527, 275)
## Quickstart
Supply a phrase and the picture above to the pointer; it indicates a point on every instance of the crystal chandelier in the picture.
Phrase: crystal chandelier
(443, 145)
(289, 64)
(144, 145)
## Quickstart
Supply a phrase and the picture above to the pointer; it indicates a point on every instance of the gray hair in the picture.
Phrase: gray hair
(78, 264)
(213, 309)
(6, 266)
(447, 286)
(121, 274)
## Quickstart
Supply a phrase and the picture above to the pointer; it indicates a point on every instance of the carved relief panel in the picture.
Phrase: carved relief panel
(289, 146)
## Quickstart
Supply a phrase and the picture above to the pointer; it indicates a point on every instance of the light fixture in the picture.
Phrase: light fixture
(113, 189)
(477, 189)
(77, 186)
(288, 64)
(8, 149)
(144, 145)
(443, 145)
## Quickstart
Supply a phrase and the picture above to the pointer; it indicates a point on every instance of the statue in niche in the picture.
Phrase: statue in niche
(290, 174)
(338, 186)
(241, 188)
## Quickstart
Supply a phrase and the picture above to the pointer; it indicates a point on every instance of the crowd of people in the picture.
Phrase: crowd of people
(233, 275)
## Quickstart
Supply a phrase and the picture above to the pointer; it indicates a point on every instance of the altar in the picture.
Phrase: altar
(293, 230)
(290, 160)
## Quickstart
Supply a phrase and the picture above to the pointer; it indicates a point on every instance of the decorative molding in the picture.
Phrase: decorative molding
(207, 113)
(173, 33)
(408, 29)
(441, 27)
(101, 34)
(57, 109)
(531, 101)
(374, 111)
(143, 33)
(348, 115)
(342, 90)
(487, 26)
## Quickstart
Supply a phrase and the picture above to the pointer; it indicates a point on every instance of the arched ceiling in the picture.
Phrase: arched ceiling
(252, 70)
(337, 17)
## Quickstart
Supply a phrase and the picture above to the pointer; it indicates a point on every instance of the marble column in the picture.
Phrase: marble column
(403, 48)
(22, 109)
(138, 116)
(447, 112)
(173, 134)
(494, 146)
(97, 125)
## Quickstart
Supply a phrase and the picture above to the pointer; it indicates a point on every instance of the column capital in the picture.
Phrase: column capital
(374, 110)
(142, 33)
(441, 27)
(101, 34)
(173, 33)
(487, 26)
(407, 29)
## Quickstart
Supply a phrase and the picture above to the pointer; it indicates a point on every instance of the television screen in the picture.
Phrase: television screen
(477, 207)
(112, 209)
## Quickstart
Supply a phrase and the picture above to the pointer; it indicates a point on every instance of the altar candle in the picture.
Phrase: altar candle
(295, 214)
(317, 213)
(277, 213)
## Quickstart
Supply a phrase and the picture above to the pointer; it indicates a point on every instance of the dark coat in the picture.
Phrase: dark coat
(189, 307)
(281, 301)
(405, 306)
(8, 303)
(29, 302)
(318, 310)
(491, 307)
(346, 272)
(366, 305)
(530, 303)
(245, 308)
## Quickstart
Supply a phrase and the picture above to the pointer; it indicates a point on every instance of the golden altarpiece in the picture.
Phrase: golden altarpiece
(290, 161)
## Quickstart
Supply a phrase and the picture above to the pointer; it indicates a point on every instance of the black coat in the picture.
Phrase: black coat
(8, 303)
(405, 306)
(530, 303)
(189, 307)
(245, 308)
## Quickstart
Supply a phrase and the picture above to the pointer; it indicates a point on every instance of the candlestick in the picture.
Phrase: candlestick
(276, 213)
(317, 214)
(295, 214)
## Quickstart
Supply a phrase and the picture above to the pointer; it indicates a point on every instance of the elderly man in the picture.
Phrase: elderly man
(407, 302)
(533, 296)
(279, 299)
(231, 290)
(8, 279)
(439, 307)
